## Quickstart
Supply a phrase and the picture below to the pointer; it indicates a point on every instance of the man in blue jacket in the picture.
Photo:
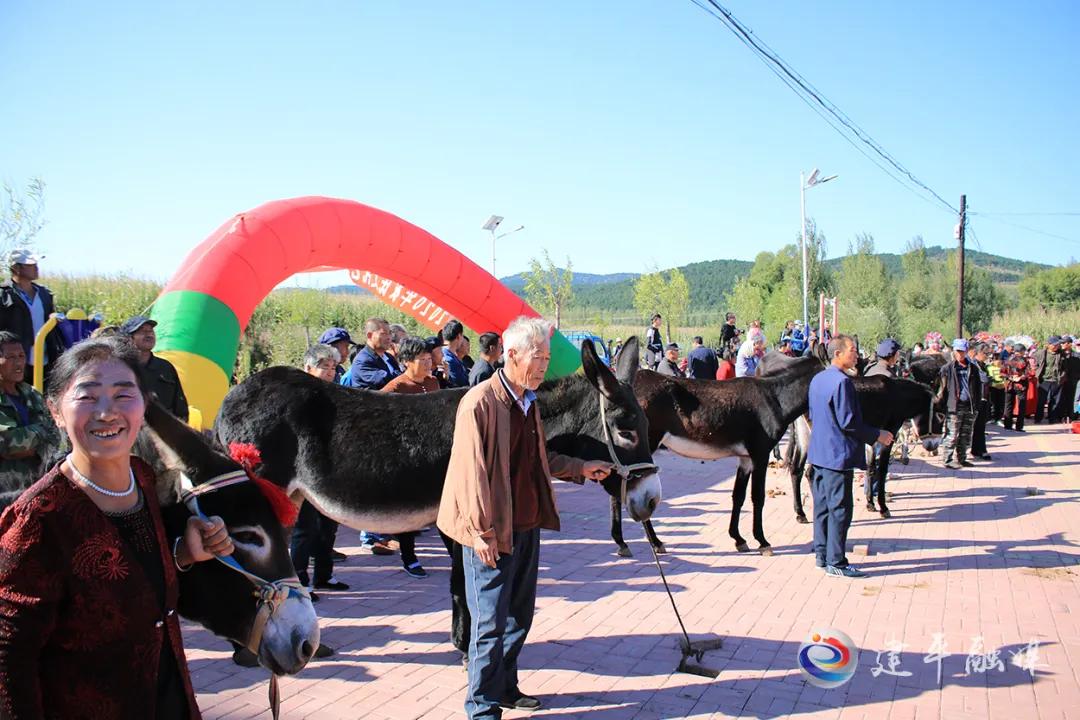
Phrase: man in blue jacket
(373, 366)
(454, 336)
(837, 438)
(702, 362)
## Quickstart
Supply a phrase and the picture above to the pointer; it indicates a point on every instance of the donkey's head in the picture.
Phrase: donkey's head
(222, 598)
(598, 418)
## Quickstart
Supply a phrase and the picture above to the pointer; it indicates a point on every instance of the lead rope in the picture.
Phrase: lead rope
(624, 471)
(270, 593)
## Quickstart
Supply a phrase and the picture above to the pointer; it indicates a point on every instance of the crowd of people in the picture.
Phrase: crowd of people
(77, 446)
(1023, 378)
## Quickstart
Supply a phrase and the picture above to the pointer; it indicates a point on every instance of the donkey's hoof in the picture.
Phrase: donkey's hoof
(800, 518)
(765, 550)
(625, 552)
(661, 549)
(742, 547)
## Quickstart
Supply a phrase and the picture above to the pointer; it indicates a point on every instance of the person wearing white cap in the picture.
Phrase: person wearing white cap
(25, 306)
(961, 389)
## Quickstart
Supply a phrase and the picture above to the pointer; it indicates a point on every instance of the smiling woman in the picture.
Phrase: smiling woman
(88, 578)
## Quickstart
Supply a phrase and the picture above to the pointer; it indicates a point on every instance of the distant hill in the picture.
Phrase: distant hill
(710, 281)
(1003, 270)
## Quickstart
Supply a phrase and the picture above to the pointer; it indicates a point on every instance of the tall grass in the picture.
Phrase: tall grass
(114, 297)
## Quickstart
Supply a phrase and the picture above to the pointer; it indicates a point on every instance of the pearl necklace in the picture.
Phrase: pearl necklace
(104, 491)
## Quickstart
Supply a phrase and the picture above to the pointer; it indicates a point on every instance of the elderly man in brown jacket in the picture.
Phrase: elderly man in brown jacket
(497, 497)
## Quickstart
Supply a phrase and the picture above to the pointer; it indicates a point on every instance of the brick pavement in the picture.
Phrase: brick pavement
(966, 554)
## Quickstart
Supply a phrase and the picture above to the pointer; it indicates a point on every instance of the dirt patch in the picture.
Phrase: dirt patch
(871, 590)
(914, 586)
(1049, 573)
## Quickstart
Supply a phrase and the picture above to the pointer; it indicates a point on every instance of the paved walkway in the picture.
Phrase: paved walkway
(966, 555)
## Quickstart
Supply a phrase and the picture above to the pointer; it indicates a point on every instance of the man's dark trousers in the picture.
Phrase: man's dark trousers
(1048, 394)
(833, 502)
(501, 601)
(1055, 409)
(312, 538)
(978, 431)
(876, 474)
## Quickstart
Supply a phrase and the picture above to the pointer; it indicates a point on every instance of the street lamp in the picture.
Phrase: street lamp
(804, 185)
(491, 226)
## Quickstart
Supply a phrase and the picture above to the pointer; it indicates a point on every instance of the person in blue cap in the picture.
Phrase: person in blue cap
(338, 338)
(960, 389)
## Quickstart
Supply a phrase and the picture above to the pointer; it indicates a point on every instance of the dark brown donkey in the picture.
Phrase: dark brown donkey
(710, 419)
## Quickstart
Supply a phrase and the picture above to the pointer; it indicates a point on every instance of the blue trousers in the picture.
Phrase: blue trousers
(501, 602)
(833, 503)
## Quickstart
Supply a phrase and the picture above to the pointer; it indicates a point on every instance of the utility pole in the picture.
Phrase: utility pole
(960, 266)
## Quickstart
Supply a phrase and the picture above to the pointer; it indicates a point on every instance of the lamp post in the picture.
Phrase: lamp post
(804, 184)
(491, 226)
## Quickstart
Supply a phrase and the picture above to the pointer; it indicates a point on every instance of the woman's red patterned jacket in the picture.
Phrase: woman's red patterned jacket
(80, 625)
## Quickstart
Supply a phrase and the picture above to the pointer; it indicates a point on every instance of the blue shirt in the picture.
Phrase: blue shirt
(746, 361)
(371, 371)
(458, 375)
(962, 376)
(702, 364)
(837, 432)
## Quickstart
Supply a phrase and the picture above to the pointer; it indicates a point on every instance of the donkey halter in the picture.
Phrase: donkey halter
(271, 594)
(625, 472)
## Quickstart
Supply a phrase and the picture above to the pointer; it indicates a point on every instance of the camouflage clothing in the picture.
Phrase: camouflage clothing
(39, 434)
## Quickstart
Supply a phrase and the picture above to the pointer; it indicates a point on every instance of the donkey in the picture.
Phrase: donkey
(378, 461)
(216, 595)
(886, 403)
(211, 593)
(709, 419)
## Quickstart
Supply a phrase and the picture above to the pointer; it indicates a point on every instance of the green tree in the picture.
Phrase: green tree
(1054, 289)
(915, 294)
(22, 215)
(669, 296)
(864, 289)
(547, 288)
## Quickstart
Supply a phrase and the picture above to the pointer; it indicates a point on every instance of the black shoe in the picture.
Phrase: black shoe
(415, 570)
(245, 658)
(871, 507)
(967, 463)
(984, 456)
(338, 556)
(523, 702)
(314, 596)
(324, 651)
(953, 465)
(332, 584)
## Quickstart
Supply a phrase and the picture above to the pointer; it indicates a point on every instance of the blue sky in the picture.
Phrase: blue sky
(620, 134)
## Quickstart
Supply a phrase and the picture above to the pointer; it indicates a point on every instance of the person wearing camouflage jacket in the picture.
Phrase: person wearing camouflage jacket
(28, 436)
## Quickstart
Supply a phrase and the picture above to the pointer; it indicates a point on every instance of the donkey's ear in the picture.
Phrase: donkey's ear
(626, 366)
(199, 460)
(597, 372)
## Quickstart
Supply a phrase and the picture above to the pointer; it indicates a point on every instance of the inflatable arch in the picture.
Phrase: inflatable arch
(208, 303)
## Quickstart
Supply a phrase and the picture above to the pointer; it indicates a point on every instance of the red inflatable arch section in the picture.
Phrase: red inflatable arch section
(206, 306)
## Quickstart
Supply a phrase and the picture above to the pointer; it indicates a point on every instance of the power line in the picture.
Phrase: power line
(803, 88)
(1029, 214)
(1029, 229)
